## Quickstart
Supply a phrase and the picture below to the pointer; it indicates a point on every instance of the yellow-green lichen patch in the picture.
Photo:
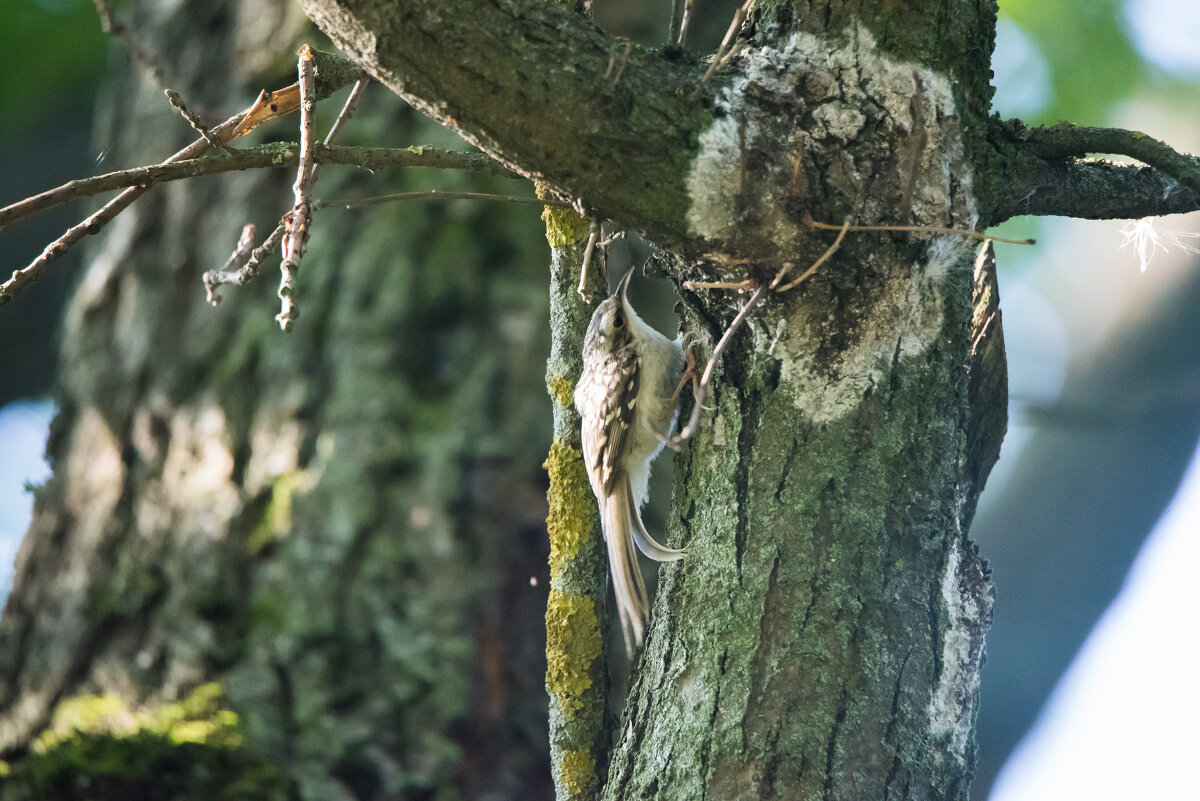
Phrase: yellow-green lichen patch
(563, 226)
(572, 517)
(577, 771)
(573, 643)
(561, 390)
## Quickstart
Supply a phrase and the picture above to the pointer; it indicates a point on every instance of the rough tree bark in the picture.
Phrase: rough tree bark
(824, 636)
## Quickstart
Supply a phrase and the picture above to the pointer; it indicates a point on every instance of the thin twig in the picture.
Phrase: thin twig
(267, 106)
(296, 236)
(23, 277)
(233, 265)
(727, 50)
(701, 393)
(683, 22)
(837, 243)
(593, 236)
(272, 154)
(676, 18)
(920, 229)
(434, 194)
(249, 271)
(620, 65)
(741, 286)
(194, 121)
(140, 55)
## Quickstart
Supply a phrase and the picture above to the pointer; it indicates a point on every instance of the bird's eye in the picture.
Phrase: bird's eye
(618, 321)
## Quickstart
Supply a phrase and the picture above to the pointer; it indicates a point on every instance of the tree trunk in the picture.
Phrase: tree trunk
(339, 527)
(825, 633)
(294, 516)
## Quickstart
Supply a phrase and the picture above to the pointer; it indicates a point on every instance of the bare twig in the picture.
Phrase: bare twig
(728, 49)
(194, 121)
(21, 278)
(215, 278)
(919, 229)
(233, 265)
(140, 55)
(620, 67)
(681, 16)
(335, 130)
(593, 236)
(434, 194)
(296, 236)
(701, 393)
(741, 286)
(269, 246)
(683, 22)
(273, 154)
(269, 105)
(837, 243)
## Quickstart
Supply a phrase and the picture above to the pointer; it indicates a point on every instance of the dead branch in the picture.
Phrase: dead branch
(269, 105)
(296, 235)
(273, 154)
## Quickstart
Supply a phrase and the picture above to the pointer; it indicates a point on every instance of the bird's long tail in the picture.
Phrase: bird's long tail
(647, 544)
(628, 586)
(623, 527)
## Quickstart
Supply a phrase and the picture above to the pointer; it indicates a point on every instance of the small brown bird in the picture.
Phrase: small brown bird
(627, 399)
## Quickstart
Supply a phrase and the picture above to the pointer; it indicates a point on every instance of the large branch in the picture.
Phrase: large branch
(1043, 172)
(542, 89)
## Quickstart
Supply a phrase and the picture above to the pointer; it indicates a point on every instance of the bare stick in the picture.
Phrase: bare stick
(683, 22)
(837, 243)
(741, 286)
(194, 121)
(273, 154)
(296, 236)
(676, 19)
(620, 65)
(233, 265)
(249, 270)
(267, 106)
(21, 278)
(140, 55)
(593, 235)
(727, 50)
(701, 393)
(335, 130)
(920, 229)
(434, 194)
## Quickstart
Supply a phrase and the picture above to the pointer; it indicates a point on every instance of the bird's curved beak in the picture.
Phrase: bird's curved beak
(623, 286)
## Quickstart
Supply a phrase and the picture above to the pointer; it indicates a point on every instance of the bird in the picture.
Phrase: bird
(626, 398)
